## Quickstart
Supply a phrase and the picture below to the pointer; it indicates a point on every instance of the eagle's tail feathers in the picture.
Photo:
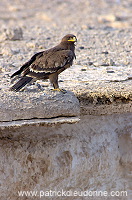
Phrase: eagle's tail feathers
(21, 83)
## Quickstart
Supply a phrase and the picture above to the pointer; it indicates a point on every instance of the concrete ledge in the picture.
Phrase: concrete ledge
(37, 122)
(41, 105)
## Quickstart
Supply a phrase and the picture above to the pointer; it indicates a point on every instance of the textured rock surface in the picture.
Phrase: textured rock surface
(30, 105)
(93, 154)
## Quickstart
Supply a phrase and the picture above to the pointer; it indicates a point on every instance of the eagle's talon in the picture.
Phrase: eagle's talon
(59, 90)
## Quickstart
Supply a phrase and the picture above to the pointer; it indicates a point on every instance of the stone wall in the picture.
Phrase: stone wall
(65, 153)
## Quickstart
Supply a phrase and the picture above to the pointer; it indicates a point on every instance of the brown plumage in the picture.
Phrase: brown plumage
(47, 64)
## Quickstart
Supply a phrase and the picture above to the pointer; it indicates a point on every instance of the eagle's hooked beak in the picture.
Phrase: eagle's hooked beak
(73, 39)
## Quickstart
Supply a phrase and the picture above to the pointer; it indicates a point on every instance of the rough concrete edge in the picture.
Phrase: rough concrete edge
(103, 104)
(105, 109)
(99, 98)
(37, 122)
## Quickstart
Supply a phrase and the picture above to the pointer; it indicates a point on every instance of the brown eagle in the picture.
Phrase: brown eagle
(47, 64)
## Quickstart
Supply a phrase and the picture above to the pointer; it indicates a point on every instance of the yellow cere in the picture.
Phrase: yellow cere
(72, 39)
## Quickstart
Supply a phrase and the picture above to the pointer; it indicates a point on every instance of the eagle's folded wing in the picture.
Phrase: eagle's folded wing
(27, 64)
(49, 63)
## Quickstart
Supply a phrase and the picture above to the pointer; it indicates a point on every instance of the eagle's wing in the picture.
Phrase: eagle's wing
(27, 64)
(48, 63)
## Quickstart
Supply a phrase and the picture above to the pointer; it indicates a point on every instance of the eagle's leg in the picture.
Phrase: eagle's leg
(54, 81)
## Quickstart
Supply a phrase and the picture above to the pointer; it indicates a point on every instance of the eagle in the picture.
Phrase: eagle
(47, 64)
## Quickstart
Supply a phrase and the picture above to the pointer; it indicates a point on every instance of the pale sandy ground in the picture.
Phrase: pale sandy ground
(103, 29)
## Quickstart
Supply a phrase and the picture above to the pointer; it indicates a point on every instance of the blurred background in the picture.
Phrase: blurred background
(65, 15)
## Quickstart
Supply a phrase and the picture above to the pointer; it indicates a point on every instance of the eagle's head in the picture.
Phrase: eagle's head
(69, 38)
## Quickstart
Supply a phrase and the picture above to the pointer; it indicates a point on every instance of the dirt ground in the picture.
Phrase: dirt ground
(103, 29)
